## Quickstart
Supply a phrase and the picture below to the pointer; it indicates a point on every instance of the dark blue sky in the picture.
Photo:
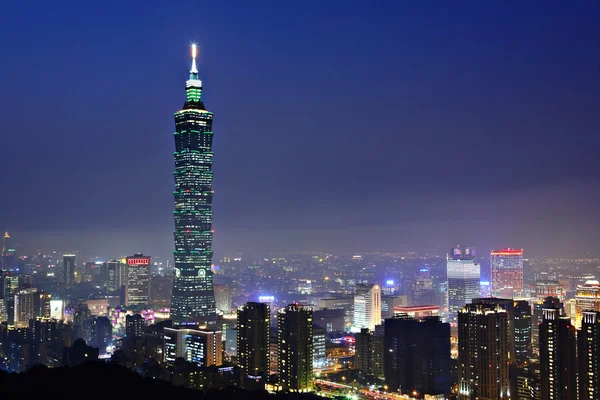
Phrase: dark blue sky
(339, 125)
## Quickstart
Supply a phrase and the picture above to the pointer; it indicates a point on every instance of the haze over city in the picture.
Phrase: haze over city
(385, 126)
(320, 200)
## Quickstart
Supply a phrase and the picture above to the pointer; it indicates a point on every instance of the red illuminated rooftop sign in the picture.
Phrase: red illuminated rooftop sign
(138, 261)
(507, 252)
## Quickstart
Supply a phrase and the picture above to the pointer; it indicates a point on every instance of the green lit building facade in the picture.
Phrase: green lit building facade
(193, 293)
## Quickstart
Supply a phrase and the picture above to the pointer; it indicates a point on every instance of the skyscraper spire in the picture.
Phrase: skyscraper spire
(194, 70)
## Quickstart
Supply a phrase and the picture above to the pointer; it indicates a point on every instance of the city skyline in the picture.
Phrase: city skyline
(435, 116)
(406, 200)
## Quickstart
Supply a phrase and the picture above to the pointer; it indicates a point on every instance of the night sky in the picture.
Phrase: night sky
(339, 125)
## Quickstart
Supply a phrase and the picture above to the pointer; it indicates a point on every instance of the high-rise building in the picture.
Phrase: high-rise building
(116, 275)
(8, 256)
(463, 275)
(82, 322)
(519, 326)
(134, 326)
(390, 303)
(368, 358)
(42, 304)
(203, 348)
(586, 299)
(537, 318)
(193, 295)
(319, 351)
(557, 356)
(345, 303)
(138, 280)
(588, 349)
(423, 288)
(529, 382)
(542, 289)
(223, 299)
(24, 307)
(521, 331)
(101, 333)
(483, 353)
(44, 329)
(253, 322)
(507, 273)
(416, 355)
(295, 348)
(68, 276)
(367, 306)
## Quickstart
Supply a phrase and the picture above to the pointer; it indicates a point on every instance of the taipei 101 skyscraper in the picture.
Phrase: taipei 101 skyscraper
(193, 295)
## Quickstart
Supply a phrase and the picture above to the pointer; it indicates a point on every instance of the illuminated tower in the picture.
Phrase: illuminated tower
(558, 356)
(193, 295)
(587, 299)
(7, 258)
(253, 343)
(367, 306)
(588, 343)
(295, 341)
(483, 353)
(507, 273)
(463, 274)
(137, 283)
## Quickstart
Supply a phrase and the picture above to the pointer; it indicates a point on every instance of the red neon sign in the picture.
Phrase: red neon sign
(507, 252)
(138, 261)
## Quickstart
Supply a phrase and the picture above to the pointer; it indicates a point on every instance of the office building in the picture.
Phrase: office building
(483, 352)
(519, 326)
(463, 275)
(44, 329)
(24, 307)
(68, 272)
(521, 331)
(295, 348)
(557, 356)
(8, 257)
(507, 273)
(319, 353)
(345, 303)
(537, 318)
(117, 273)
(137, 285)
(42, 304)
(253, 322)
(529, 382)
(416, 355)
(423, 288)
(101, 333)
(367, 306)
(586, 299)
(223, 299)
(193, 292)
(588, 349)
(368, 358)
(134, 326)
(389, 303)
(201, 347)
(542, 289)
